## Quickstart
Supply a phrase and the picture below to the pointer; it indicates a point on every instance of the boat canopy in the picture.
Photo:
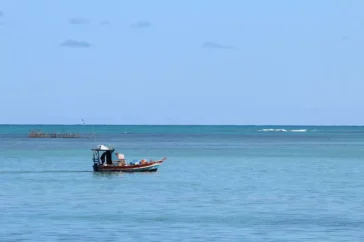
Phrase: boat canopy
(102, 148)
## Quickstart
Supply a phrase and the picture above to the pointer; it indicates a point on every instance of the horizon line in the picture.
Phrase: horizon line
(307, 125)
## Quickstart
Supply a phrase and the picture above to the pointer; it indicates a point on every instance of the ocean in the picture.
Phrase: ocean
(219, 183)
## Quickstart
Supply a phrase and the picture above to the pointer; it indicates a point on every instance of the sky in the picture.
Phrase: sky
(182, 62)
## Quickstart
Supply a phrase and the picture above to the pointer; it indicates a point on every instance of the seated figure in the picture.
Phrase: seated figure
(121, 159)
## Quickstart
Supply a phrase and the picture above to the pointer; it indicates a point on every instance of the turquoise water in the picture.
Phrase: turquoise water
(219, 183)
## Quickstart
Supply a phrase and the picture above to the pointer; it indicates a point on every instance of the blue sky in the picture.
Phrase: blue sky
(182, 62)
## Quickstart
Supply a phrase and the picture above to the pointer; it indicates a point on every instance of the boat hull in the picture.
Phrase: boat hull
(149, 167)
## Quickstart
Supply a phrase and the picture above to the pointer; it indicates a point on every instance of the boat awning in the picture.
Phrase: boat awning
(102, 148)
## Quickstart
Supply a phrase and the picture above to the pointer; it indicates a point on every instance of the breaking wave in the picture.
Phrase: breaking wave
(273, 130)
(282, 130)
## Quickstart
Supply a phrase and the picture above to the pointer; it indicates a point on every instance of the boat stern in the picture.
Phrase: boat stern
(95, 167)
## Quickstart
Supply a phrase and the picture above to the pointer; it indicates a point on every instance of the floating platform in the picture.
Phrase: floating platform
(41, 134)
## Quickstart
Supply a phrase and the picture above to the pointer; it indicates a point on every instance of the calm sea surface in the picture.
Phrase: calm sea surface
(219, 183)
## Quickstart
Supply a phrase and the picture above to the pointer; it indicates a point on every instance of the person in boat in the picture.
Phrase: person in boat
(102, 157)
(121, 158)
(107, 155)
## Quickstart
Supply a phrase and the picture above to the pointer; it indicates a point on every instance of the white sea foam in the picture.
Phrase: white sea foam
(272, 130)
(298, 130)
(282, 130)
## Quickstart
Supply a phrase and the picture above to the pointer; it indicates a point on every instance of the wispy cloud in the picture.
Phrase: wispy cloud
(75, 44)
(79, 21)
(104, 22)
(213, 45)
(1, 14)
(141, 25)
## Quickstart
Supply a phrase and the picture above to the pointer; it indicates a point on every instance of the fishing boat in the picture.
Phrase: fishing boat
(104, 163)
